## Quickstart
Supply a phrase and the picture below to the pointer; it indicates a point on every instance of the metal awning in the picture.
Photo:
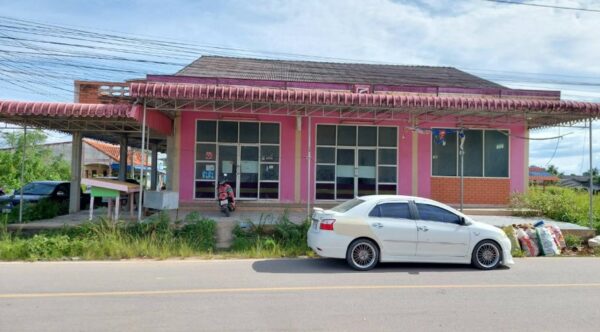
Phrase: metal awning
(316, 102)
(100, 121)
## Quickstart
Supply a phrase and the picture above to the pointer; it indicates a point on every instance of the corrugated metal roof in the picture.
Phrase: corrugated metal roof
(329, 72)
(113, 151)
(10, 107)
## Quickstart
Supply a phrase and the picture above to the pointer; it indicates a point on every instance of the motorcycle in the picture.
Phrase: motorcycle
(226, 206)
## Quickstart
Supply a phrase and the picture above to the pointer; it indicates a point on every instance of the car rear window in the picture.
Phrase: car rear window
(38, 188)
(391, 210)
(348, 205)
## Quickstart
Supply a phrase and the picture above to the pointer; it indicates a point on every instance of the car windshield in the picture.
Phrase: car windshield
(346, 206)
(37, 188)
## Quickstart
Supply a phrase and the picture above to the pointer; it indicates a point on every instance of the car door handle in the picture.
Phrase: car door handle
(377, 225)
(422, 228)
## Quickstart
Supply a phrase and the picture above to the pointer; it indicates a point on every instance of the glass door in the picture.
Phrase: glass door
(248, 172)
(345, 173)
(228, 161)
(366, 175)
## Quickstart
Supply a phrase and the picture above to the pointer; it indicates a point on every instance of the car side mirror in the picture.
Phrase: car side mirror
(462, 221)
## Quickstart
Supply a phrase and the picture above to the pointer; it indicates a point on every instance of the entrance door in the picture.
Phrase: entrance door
(248, 172)
(238, 165)
(366, 166)
(355, 172)
(345, 173)
(228, 161)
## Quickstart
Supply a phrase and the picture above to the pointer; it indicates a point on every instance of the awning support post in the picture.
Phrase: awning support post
(123, 157)
(308, 164)
(141, 198)
(22, 179)
(75, 195)
(154, 167)
(461, 136)
(591, 191)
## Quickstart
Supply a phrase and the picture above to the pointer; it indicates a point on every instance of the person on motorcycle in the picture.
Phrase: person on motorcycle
(226, 190)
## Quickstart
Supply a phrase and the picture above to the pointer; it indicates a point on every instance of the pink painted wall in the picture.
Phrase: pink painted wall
(287, 154)
(188, 146)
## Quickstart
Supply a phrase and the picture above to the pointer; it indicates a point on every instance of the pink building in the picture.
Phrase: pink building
(297, 131)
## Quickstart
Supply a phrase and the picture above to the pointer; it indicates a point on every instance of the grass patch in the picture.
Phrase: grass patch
(562, 204)
(43, 209)
(154, 238)
(271, 237)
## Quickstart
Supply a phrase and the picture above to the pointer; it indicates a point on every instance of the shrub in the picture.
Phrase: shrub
(573, 240)
(43, 209)
(271, 238)
(199, 233)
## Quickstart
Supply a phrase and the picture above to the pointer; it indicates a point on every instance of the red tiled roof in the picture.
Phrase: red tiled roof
(113, 151)
(543, 178)
(324, 97)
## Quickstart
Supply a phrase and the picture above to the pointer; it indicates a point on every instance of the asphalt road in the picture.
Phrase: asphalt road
(543, 294)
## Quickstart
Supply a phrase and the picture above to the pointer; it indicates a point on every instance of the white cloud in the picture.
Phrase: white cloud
(488, 39)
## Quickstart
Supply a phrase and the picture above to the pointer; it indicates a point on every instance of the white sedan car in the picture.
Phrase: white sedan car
(372, 229)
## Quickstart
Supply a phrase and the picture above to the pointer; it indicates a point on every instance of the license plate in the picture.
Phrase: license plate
(224, 202)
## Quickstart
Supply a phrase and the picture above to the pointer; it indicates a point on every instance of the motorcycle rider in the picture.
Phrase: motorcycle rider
(225, 188)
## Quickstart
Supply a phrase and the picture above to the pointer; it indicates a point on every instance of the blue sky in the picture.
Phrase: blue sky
(518, 46)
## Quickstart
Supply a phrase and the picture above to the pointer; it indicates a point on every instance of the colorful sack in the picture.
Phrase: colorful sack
(529, 246)
(558, 235)
(547, 245)
(512, 236)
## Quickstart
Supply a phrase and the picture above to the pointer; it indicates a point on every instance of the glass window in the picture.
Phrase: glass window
(367, 136)
(388, 136)
(326, 155)
(434, 213)
(325, 172)
(387, 156)
(348, 205)
(496, 154)
(392, 210)
(248, 132)
(269, 133)
(325, 135)
(269, 190)
(444, 156)
(205, 189)
(386, 189)
(345, 157)
(206, 151)
(206, 131)
(473, 157)
(346, 135)
(269, 153)
(269, 172)
(205, 171)
(228, 132)
(387, 174)
(325, 191)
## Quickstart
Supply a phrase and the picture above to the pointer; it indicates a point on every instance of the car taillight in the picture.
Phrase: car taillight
(327, 224)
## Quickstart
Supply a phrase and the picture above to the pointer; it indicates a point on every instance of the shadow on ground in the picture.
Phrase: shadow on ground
(324, 265)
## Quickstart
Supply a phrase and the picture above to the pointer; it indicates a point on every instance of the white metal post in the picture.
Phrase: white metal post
(308, 164)
(22, 180)
(591, 191)
(141, 198)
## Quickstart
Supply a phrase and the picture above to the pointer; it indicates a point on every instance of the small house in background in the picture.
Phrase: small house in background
(578, 182)
(540, 176)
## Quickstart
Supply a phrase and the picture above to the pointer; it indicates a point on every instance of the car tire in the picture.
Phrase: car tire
(362, 254)
(487, 255)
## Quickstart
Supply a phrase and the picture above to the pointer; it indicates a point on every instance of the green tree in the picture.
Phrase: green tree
(40, 162)
(552, 170)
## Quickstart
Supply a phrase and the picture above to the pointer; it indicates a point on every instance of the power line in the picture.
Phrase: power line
(544, 6)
